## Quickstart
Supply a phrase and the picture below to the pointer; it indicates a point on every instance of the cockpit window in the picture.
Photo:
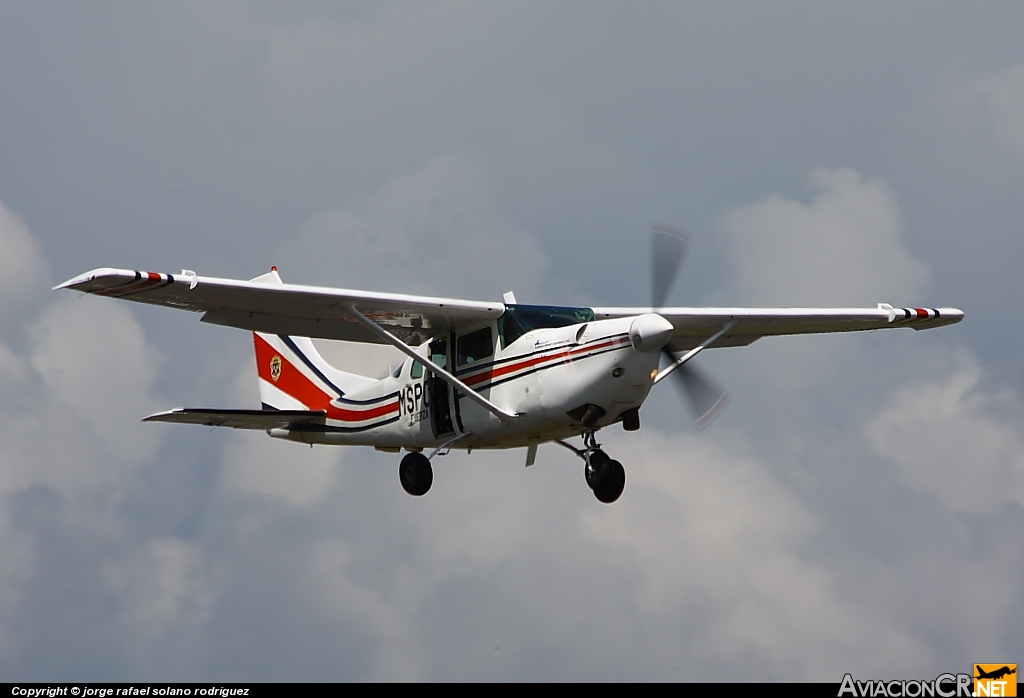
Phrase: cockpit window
(417, 370)
(520, 319)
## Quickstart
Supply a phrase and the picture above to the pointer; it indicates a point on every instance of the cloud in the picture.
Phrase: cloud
(1003, 96)
(277, 470)
(717, 528)
(24, 272)
(74, 382)
(845, 247)
(955, 440)
(70, 410)
(435, 230)
(164, 588)
(93, 359)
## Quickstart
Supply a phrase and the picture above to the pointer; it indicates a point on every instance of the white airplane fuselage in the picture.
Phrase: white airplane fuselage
(549, 377)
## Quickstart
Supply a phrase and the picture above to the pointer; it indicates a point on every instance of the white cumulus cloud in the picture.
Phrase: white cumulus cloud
(953, 439)
(24, 272)
(844, 247)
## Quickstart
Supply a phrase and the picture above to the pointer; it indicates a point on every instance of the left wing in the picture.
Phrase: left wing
(266, 304)
(694, 325)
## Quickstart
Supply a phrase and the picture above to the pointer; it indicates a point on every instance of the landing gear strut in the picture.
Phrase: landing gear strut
(416, 474)
(606, 477)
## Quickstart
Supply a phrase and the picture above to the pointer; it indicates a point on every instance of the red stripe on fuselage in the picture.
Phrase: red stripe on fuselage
(361, 415)
(533, 361)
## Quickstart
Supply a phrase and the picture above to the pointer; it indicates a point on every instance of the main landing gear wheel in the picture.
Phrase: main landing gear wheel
(605, 476)
(416, 474)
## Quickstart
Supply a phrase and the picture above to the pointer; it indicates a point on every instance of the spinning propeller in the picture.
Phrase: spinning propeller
(668, 251)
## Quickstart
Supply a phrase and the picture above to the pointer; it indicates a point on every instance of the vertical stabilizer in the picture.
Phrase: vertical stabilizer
(292, 373)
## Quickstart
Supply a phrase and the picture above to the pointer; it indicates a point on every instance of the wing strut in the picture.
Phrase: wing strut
(693, 352)
(505, 417)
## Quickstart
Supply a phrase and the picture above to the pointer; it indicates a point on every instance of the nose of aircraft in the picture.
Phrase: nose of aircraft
(650, 332)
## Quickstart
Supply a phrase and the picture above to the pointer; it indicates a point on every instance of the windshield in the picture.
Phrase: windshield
(520, 319)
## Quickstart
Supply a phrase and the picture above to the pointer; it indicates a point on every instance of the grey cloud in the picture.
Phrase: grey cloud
(24, 272)
(435, 230)
(844, 247)
(93, 358)
(950, 440)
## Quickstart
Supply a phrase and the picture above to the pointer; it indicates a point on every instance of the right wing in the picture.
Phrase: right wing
(261, 420)
(693, 325)
(266, 304)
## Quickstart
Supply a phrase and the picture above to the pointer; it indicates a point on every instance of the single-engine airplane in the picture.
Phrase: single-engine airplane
(478, 374)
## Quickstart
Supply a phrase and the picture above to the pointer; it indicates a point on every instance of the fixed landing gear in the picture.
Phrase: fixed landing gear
(416, 474)
(605, 476)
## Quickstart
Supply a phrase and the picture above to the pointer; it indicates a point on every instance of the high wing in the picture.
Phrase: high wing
(262, 420)
(266, 304)
(694, 325)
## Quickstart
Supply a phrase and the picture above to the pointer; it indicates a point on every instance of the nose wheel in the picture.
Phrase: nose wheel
(606, 477)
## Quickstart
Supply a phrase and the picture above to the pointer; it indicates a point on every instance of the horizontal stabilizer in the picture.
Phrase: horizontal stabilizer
(260, 420)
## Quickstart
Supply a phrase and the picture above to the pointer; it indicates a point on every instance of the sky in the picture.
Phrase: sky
(858, 507)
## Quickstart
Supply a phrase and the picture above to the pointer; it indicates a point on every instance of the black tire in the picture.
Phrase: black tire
(596, 470)
(415, 474)
(612, 488)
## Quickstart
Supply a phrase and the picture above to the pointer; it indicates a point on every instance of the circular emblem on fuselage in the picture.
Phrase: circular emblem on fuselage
(275, 367)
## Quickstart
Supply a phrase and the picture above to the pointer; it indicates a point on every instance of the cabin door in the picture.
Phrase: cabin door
(440, 392)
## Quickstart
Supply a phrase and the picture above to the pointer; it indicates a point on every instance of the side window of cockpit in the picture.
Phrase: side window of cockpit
(475, 346)
(417, 370)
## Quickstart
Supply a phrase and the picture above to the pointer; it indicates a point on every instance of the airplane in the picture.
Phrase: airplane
(995, 674)
(478, 375)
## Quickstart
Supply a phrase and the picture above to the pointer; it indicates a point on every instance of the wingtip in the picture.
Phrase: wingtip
(92, 275)
(81, 278)
(158, 416)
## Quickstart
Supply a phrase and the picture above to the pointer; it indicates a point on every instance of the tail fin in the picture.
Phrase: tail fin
(292, 373)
